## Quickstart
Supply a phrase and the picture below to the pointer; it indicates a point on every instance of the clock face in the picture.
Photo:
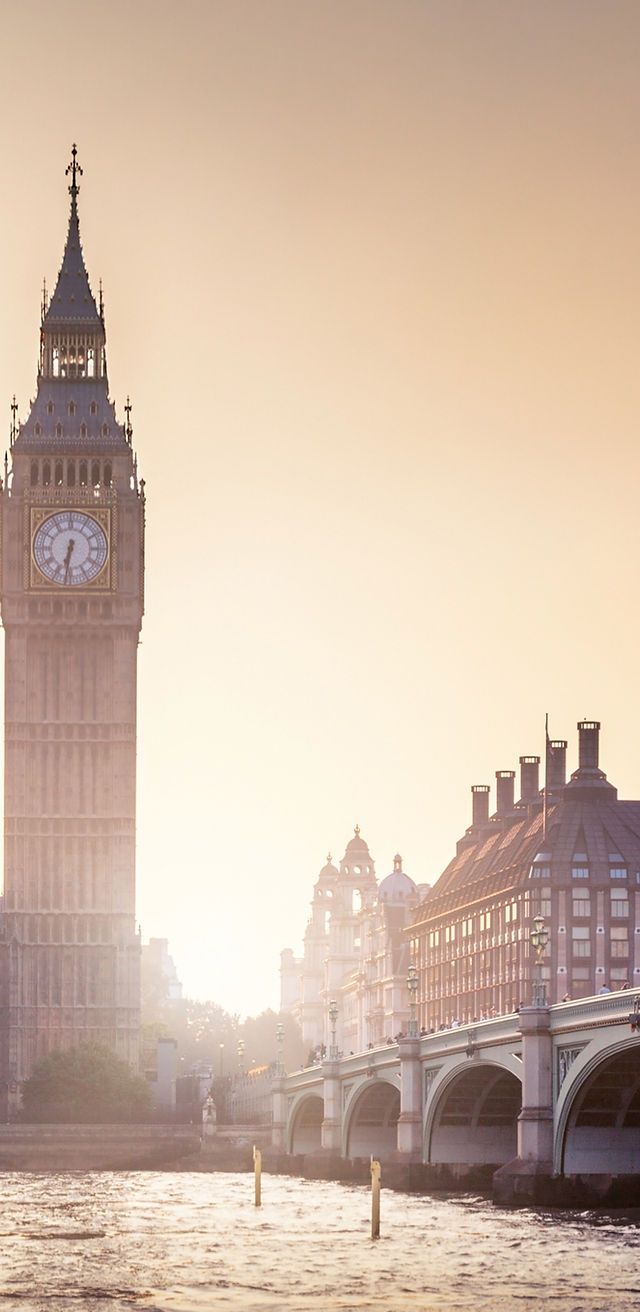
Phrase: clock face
(70, 548)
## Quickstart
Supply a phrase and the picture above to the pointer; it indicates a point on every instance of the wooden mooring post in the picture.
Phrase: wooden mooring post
(257, 1171)
(375, 1199)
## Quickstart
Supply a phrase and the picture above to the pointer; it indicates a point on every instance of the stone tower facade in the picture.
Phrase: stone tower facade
(72, 604)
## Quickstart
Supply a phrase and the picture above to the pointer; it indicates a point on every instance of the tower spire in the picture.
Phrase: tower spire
(74, 169)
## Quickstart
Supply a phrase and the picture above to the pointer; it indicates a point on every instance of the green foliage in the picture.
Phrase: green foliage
(88, 1084)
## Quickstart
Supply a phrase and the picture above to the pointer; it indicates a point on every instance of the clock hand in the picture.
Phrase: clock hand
(68, 555)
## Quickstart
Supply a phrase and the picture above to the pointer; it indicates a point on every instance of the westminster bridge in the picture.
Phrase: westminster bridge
(545, 1094)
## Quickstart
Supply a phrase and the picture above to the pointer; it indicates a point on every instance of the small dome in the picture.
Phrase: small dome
(329, 872)
(356, 844)
(397, 887)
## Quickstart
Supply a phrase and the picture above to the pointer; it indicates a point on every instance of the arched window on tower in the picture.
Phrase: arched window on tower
(91, 363)
(107, 474)
(59, 473)
(58, 430)
(46, 473)
(83, 473)
(95, 473)
(56, 362)
(71, 473)
(34, 473)
(83, 430)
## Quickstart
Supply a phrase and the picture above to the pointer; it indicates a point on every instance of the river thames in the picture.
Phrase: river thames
(195, 1242)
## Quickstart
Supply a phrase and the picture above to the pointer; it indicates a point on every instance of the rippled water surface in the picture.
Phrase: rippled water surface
(186, 1243)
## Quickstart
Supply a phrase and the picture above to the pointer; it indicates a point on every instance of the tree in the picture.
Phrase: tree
(88, 1084)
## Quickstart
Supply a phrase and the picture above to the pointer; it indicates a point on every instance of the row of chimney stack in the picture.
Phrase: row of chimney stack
(556, 775)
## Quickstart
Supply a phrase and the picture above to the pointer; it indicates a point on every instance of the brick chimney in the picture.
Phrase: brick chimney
(529, 778)
(480, 804)
(505, 783)
(589, 734)
(556, 763)
(589, 782)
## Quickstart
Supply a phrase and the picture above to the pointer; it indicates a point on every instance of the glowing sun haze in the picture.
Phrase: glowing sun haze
(372, 279)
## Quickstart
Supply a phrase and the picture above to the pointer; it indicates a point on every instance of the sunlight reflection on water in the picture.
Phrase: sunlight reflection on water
(190, 1242)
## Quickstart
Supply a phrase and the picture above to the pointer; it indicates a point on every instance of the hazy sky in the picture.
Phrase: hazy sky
(372, 279)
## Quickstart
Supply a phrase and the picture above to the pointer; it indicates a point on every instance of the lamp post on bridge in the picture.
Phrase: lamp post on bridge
(333, 1017)
(412, 986)
(241, 1046)
(539, 938)
(280, 1039)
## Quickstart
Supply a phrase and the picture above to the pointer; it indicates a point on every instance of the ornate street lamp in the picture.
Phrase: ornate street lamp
(280, 1038)
(241, 1056)
(333, 1016)
(412, 986)
(538, 938)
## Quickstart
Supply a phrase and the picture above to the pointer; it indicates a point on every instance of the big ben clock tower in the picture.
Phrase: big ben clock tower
(72, 604)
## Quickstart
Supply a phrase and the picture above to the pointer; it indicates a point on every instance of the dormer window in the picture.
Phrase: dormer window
(50, 408)
(38, 430)
(105, 430)
(541, 866)
(72, 407)
(580, 866)
(93, 408)
(83, 430)
(58, 430)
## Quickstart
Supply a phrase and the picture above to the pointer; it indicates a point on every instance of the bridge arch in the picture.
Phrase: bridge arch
(304, 1132)
(598, 1113)
(472, 1116)
(370, 1124)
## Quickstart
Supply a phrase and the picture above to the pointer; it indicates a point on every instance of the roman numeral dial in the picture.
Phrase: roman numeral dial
(70, 548)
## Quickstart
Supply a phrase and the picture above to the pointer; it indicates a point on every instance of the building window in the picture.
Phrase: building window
(95, 473)
(50, 408)
(618, 872)
(485, 920)
(619, 902)
(34, 473)
(541, 904)
(71, 473)
(581, 902)
(46, 473)
(93, 408)
(59, 473)
(581, 941)
(107, 475)
(619, 943)
(579, 872)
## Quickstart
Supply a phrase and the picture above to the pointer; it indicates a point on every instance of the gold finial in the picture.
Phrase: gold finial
(74, 169)
(329, 858)
(357, 831)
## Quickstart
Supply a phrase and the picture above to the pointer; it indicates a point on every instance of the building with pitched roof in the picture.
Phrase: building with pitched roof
(570, 853)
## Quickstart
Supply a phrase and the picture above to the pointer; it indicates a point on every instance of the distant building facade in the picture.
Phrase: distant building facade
(355, 952)
(572, 857)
